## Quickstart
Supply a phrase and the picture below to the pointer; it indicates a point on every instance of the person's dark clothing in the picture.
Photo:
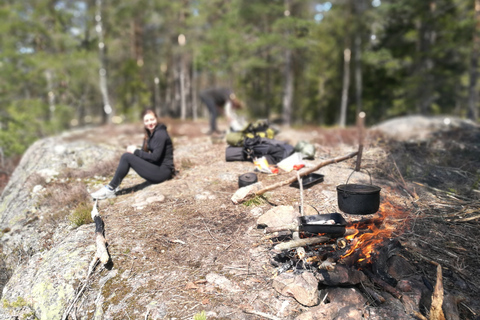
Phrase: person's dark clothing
(214, 99)
(155, 166)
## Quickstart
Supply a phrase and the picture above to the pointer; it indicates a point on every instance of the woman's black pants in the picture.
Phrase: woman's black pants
(147, 170)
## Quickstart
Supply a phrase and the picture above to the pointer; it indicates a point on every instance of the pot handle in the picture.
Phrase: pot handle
(359, 171)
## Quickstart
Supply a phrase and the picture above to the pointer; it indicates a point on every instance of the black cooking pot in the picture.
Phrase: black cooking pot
(247, 179)
(358, 198)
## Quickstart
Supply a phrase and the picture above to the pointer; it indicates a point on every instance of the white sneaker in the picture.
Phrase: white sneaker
(103, 193)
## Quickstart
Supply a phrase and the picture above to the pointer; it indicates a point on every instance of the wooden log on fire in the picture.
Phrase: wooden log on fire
(300, 243)
(240, 196)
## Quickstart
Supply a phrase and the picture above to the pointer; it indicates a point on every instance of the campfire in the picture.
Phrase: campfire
(357, 245)
(360, 251)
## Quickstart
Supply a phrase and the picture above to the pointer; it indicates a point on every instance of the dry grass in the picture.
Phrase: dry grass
(62, 198)
(104, 168)
(81, 215)
(440, 175)
(34, 180)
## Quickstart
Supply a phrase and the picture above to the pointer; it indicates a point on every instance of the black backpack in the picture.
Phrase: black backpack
(273, 150)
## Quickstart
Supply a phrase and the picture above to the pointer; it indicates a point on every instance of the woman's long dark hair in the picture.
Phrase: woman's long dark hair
(147, 133)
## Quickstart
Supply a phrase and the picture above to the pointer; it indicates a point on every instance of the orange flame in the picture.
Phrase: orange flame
(384, 226)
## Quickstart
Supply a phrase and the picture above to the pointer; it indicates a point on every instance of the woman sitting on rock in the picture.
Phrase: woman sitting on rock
(154, 162)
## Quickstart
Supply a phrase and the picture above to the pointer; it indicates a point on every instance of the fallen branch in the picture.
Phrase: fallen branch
(404, 185)
(100, 255)
(375, 296)
(289, 227)
(466, 219)
(80, 292)
(240, 196)
(277, 234)
(447, 192)
(261, 314)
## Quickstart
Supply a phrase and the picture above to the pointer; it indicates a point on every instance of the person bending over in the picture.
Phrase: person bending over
(220, 99)
(154, 162)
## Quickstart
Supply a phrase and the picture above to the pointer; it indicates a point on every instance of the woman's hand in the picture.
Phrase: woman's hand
(131, 149)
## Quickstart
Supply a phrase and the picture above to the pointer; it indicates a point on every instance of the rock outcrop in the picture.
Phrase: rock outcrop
(41, 281)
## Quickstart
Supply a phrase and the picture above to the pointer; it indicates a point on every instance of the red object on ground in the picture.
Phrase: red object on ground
(298, 166)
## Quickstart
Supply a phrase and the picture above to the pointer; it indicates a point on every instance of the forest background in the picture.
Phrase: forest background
(67, 64)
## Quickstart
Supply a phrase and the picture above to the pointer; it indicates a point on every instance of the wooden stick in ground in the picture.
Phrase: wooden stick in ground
(360, 127)
(300, 186)
(239, 199)
(436, 312)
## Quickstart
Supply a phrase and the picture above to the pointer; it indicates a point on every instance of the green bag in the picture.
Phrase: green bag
(259, 128)
(235, 139)
(306, 149)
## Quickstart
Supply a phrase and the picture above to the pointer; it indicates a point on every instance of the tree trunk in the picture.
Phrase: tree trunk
(472, 88)
(427, 37)
(345, 86)
(288, 91)
(183, 92)
(156, 96)
(288, 86)
(194, 90)
(107, 108)
(358, 71)
(51, 94)
(359, 6)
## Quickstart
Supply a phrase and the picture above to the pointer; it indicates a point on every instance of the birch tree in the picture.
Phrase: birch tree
(107, 108)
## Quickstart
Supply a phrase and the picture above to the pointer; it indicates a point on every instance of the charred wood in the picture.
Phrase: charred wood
(385, 286)
(377, 298)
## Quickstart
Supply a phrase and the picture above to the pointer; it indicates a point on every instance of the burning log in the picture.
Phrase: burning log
(300, 243)
(240, 197)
